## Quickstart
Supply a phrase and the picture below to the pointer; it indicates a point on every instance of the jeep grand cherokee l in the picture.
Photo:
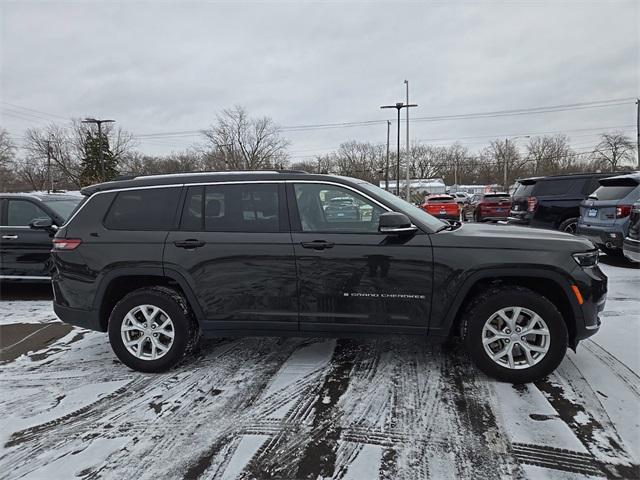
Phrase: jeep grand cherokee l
(158, 261)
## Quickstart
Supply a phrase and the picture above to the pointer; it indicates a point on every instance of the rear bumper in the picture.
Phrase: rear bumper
(602, 236)
(519, 218)
(631, 249)
(89, 319)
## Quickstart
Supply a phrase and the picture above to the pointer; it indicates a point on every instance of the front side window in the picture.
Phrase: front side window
(21, 213)
(143, 209)
(251, 207)
(328, 208)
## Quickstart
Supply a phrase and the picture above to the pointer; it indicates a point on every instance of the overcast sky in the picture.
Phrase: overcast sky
(172, 66)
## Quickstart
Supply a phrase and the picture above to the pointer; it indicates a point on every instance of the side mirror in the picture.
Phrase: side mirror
(395, 223)
(43, 224)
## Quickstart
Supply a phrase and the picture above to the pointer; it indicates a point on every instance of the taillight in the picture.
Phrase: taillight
(66, 243)
(623, 211)
(532, 203)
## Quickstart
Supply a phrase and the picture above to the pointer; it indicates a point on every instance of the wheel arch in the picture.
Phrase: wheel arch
(550, 284)
(117, 283)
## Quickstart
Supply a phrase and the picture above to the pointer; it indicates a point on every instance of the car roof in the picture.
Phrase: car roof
(206, 177)
(532, 180)
(622, 179)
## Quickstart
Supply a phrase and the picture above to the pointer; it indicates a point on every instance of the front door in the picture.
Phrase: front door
(234, 248)
(24, 252)
(351, 277)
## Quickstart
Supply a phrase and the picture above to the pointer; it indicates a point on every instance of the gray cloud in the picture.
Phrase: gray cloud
(158, 67)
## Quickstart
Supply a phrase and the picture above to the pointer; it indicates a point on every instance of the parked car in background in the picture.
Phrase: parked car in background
(342, 209)
(462, 197)
(489, 207)
(442, 206)
(553, 202)
(24, 252)
(605, 215)
(631, 244)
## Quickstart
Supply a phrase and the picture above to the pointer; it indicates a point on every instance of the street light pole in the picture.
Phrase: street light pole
(386, 174)
(100, 154)
(398, 106)
(406, 153)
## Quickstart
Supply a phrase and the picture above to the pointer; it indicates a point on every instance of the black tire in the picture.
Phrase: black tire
(570, 225)
(486, 304)
(476, 218)
(185, 329)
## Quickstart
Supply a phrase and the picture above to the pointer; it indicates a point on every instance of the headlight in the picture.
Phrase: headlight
(586, 259)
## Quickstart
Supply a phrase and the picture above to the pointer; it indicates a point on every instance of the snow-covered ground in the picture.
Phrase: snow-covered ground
(315, 408)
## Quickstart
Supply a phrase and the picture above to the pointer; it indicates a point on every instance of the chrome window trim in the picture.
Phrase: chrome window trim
(23, 277)
(227, 182)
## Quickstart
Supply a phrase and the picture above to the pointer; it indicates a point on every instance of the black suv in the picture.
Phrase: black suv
(158, 261)
(24, 252)
(553, 202)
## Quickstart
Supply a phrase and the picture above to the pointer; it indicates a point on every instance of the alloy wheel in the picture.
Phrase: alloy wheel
(516, 338)
(147, 332)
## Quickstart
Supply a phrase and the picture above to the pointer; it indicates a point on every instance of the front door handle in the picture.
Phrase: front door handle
(189, 243)
(9, 237)
(317, 244)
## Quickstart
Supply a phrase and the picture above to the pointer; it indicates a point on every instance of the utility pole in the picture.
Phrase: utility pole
(398, 106)
(638, 130)
(408, 174)
(100, 154)
(386, 171)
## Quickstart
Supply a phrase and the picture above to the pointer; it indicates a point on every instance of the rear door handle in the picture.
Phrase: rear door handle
(189, 243)
(317, 244)
(9, 237)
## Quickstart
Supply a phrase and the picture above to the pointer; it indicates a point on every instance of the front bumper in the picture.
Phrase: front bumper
(631, 249)
(592, 283)
(602, 236)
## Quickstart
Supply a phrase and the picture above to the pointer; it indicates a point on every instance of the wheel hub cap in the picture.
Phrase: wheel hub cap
(147, 332)
(516, 338)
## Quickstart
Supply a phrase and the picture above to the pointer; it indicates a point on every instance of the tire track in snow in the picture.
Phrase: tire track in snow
(630, 379)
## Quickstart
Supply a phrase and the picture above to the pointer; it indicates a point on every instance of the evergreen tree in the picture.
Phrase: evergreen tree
(92, 171)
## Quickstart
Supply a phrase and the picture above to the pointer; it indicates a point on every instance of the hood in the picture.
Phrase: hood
(484, 235)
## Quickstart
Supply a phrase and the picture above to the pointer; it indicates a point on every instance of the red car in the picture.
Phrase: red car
(492, 207)
(442, 206)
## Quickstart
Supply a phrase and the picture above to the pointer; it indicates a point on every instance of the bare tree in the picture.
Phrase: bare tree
(245, 143)
(614, 150)
(7, 156)
(549, 155)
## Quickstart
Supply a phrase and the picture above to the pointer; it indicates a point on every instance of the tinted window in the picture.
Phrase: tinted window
(324, 208)
(252, 207)
(20, 213)
(524, 190)
(554, 187)
(613, 192)
(146, 209)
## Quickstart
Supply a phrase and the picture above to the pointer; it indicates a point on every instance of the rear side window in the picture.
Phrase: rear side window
(251, 207)
(145, 209)
(21, 212)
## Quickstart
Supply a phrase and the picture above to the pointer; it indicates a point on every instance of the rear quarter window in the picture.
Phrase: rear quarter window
(145, 209)
(556, 187)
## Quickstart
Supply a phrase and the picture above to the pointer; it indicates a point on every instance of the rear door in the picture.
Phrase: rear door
(24, 253)
(351, 277)
(233, 246)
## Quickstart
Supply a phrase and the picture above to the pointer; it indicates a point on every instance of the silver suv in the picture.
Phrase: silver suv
(604, 216)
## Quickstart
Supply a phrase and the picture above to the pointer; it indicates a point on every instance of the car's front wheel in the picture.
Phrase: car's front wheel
(151, 329)
(514, 334)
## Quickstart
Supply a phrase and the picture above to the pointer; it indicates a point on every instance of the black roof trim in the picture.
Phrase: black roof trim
(532, 180)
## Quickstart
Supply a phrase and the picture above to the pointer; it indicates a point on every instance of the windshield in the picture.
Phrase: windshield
(400, 205)
(63, 207)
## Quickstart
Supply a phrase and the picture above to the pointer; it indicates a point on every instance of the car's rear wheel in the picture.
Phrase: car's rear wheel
(152, 329)
(570, 225)
(514, 334)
